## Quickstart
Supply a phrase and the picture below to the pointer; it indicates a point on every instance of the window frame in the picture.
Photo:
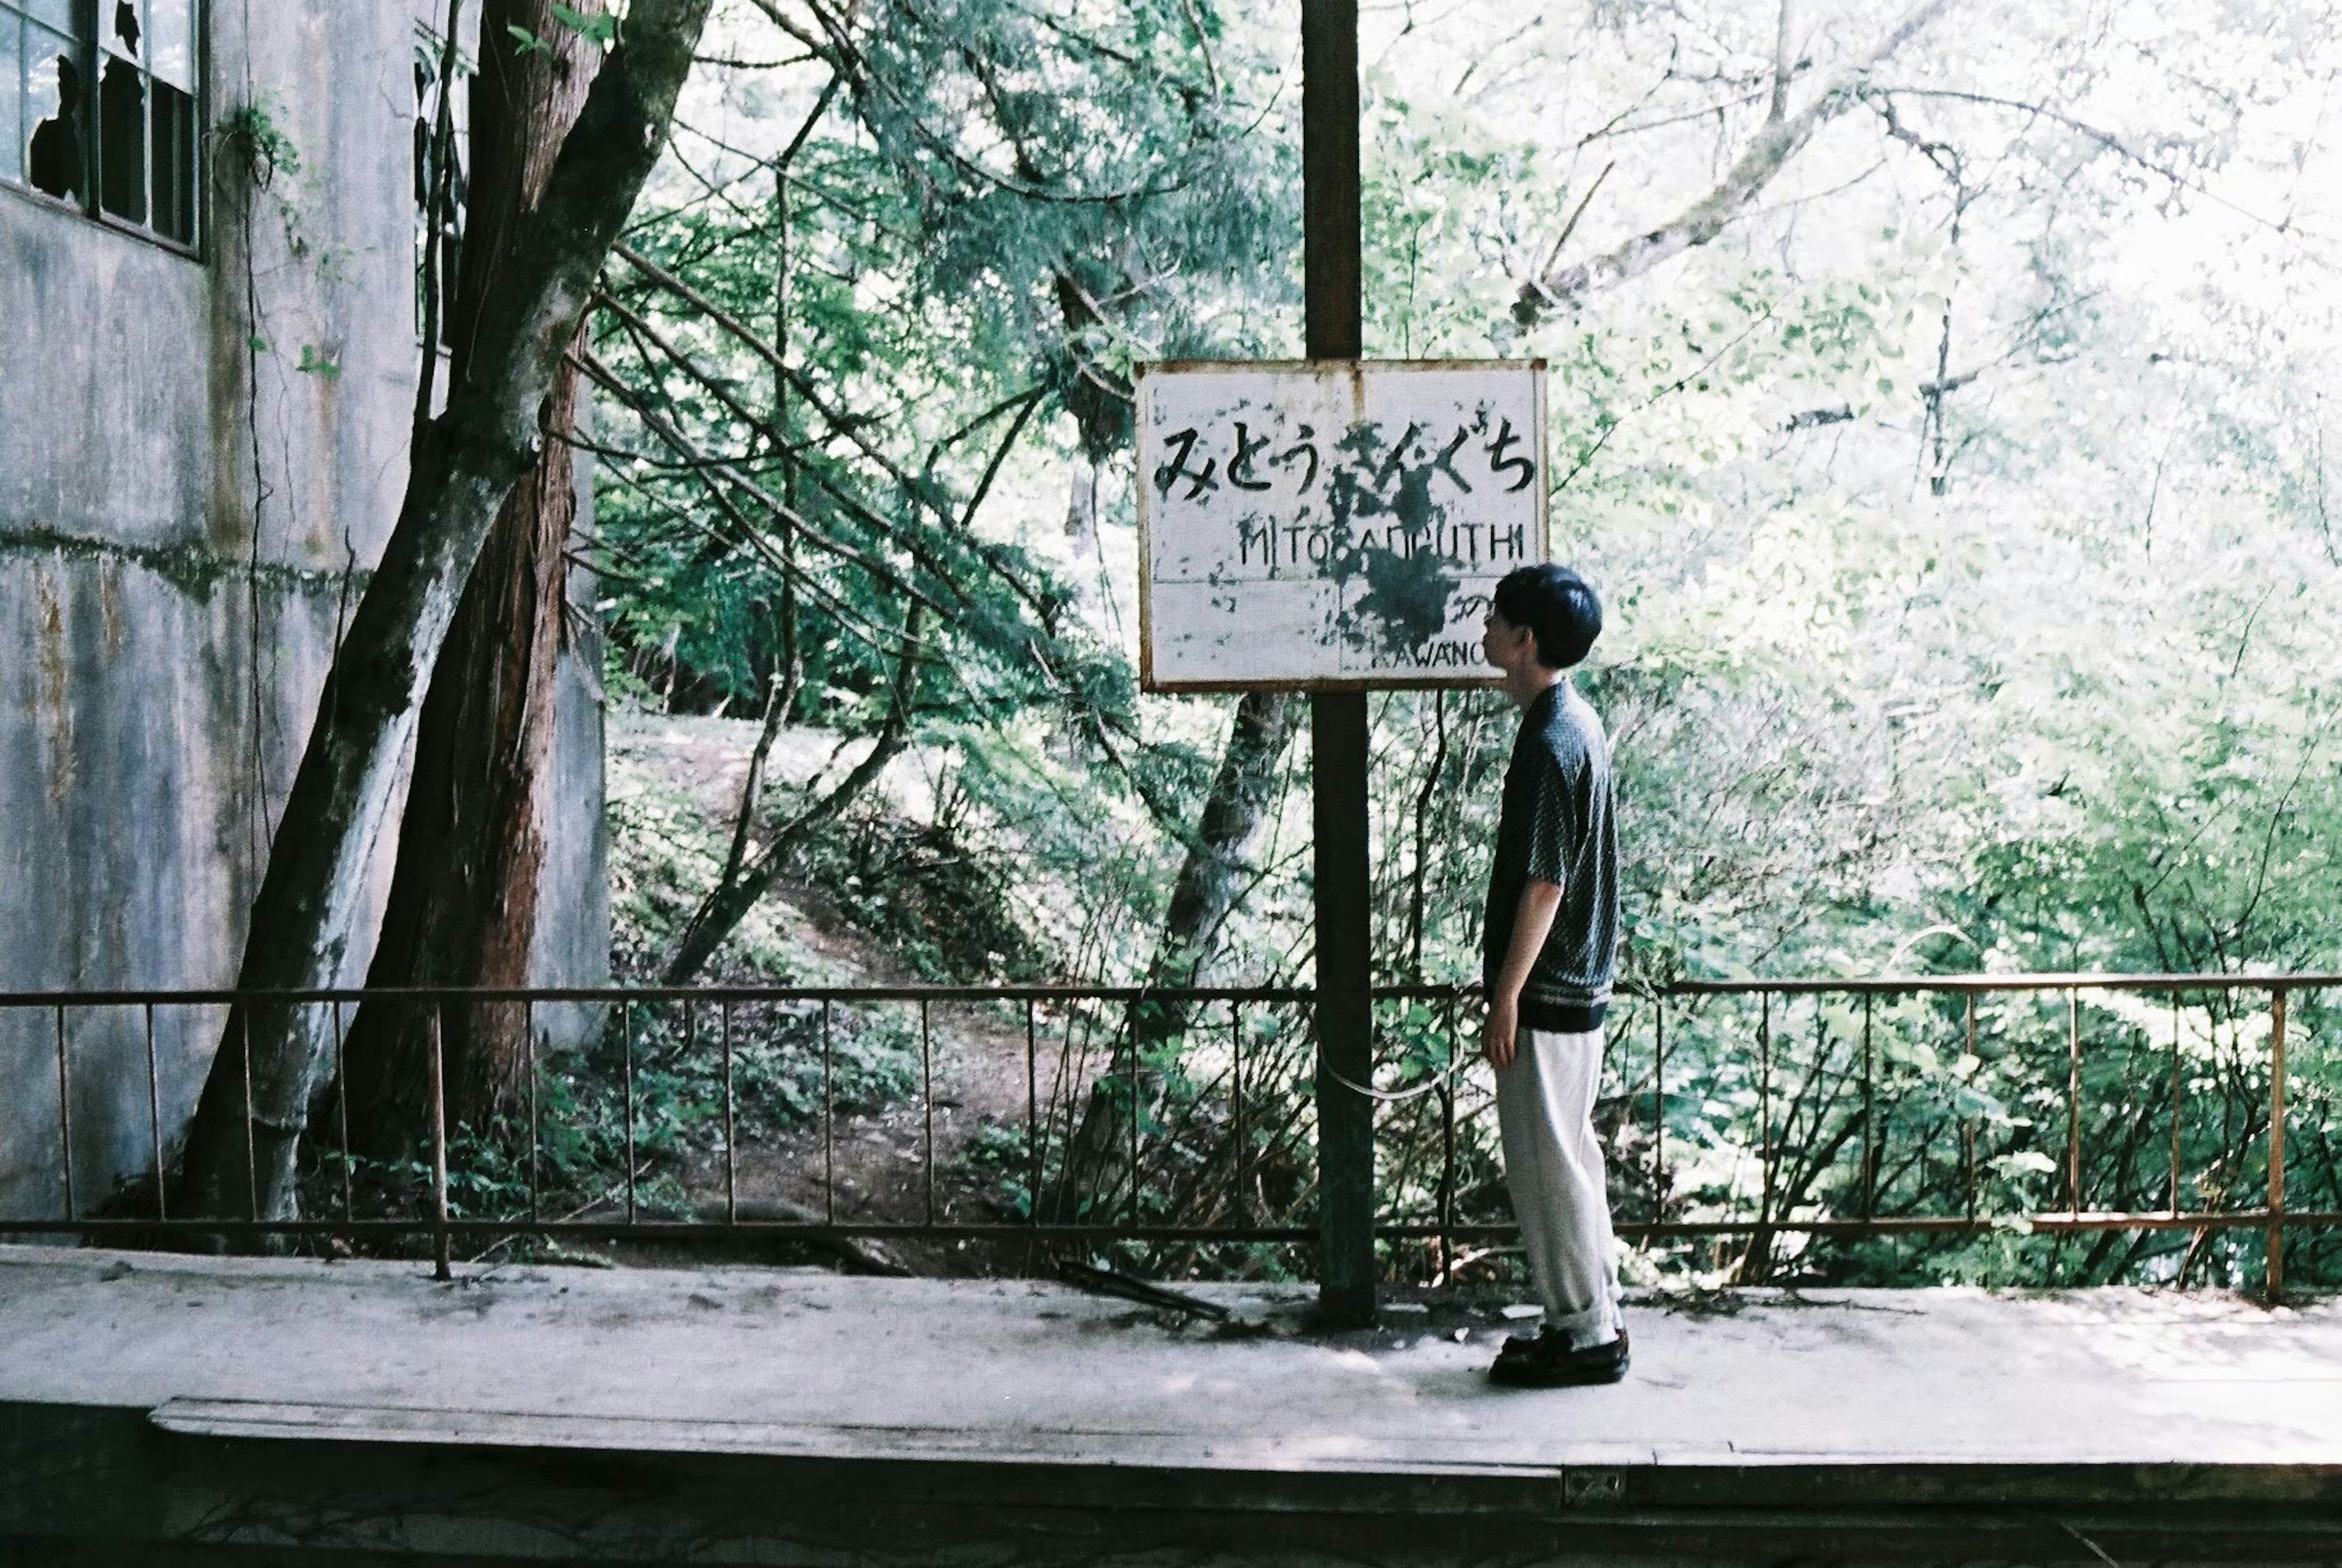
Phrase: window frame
(90, 56)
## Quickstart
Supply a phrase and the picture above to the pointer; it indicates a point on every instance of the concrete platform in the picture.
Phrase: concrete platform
(773, 1415)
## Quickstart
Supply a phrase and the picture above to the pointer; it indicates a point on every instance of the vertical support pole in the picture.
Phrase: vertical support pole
(65, 1114)
(2074, 1098)
(1338, 720)
(440, 1244)
(1236, 1113)
(1032, 1118)
(731, 1121)
(340, 1106)
(828, 1121)
(251, 1145)
(1130, 1022)
(1658, 1106)
(1765, 1112)
(1968, 1122)
(2179, 1096)
(626, 1083)
(1447, 1152)
(155, 1114)
(1869, 1112)
(927, 1108)
(535, 1161)
(2277, 1146)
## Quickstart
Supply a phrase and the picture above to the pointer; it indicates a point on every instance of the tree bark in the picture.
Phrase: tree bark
(1243, 797)
(239, 1156)
(463, 902)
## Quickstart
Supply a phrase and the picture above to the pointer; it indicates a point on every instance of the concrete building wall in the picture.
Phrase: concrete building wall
(185, 517)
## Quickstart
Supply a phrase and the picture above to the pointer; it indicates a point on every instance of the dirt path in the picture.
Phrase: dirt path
(872, 1166)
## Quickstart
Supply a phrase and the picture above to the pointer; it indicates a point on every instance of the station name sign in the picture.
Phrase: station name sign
(1332, 523)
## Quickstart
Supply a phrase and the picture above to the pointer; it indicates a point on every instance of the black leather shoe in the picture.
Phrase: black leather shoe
(1548, 1361)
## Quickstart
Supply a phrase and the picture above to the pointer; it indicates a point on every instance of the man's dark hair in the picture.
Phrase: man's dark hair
(1557, 605)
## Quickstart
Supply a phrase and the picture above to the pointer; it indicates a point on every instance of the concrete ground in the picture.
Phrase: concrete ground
(158, 1411)
(804, 1363)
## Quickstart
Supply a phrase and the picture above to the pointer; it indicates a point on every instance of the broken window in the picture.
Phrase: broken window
(98, 107)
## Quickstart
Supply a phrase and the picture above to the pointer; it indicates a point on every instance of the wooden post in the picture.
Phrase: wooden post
(1345, 1146)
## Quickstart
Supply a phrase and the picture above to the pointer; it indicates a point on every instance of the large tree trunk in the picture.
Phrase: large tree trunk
(1237, 810)
(463, 464)
(1243, 797)
(463, 901)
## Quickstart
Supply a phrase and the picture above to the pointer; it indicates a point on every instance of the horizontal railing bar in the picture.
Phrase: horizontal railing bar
(1806, 985)
(420, 994)
(664, 1229)
(795, 1229)
(2045, 1225)
(1963, 983)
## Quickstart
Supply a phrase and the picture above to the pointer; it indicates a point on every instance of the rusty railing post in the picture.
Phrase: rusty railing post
(1032, 1117)
(65, 1114)
(731, 1121)
(2276, 1145)
(1764, 1113)
(1236, 1113)
(829, 1121)
(250, 1147)
(2179, 1096)
(1968, 1122)
(2074, 1098)
(1658, 1106)
(1447, 1151)
(927, 1106)
(341, 1115)
(441, 1266)
(536, 1172)
(1130, 1022)
(626, 1081)
(1870, 1112)
(154, 1120)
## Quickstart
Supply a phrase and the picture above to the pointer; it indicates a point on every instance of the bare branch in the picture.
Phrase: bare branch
(722, 910)
(1570, 226)
(1766, 154)
(2112, 143)
(707, 472)
(1784, 64)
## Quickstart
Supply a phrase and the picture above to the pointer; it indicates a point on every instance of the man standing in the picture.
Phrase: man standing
(1551, 950)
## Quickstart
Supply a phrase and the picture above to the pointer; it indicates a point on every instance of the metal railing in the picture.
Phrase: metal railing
(1183, 1118)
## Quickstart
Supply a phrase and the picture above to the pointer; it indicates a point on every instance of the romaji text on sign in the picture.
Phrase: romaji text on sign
(1332, 524)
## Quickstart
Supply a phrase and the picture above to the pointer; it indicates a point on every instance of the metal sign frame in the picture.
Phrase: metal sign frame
(1377, 681)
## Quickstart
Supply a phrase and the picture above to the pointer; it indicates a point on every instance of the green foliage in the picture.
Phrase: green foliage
(1962, 510)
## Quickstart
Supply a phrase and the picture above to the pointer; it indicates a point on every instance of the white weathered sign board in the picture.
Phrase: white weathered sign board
(1328, 525)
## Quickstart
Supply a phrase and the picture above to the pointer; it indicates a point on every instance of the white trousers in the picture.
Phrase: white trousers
(1553, 1164)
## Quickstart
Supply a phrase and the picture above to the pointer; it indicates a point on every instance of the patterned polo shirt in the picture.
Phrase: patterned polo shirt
(1556, 825)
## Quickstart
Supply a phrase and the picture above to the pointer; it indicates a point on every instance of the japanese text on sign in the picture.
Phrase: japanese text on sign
(1332, 523)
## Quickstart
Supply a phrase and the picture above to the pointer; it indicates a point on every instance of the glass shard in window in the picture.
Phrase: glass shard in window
(174, 164)
(55, 14)
(171, 42)
(12, 97)
(122, 140)
(52, 153)
(126, 33)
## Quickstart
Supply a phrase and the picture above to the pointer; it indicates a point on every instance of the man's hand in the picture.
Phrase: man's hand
(1540, 900)
(1504, 1031)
